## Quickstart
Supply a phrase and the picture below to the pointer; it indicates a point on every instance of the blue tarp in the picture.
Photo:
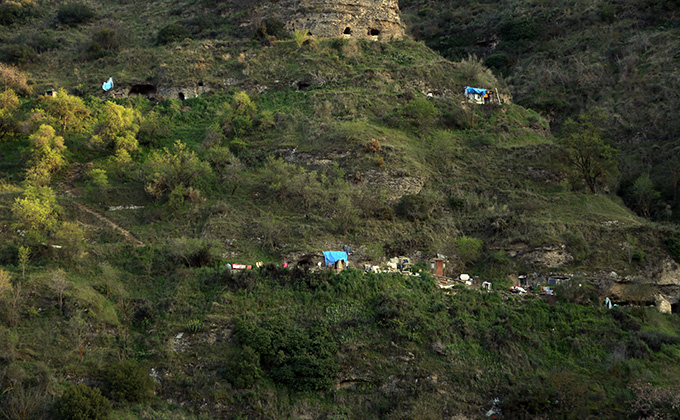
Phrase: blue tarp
(332, 257)
(469, 90)
(108, 85)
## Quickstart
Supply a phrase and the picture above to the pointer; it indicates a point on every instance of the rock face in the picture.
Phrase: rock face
(372, 19)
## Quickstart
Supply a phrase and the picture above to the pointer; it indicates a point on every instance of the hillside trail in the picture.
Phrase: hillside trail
(70, 193)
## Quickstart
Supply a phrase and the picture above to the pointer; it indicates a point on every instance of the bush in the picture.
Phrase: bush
(12, 12)
(672, 244)
(104, 42)
(128, 382)
(19, 54)
(244, 370)
(171, 33)
(81, 402)
(73, 14)
(414, 207)
(301, 359)
(271, 27)
(421, 112)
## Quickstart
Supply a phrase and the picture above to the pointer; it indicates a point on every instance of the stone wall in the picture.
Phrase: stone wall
(371, 19)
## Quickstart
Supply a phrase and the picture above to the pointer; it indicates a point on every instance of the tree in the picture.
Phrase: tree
(645, 194)
(9, 106)
(117, 128)
(174, 169)
(71, 237)
(59, 284)
(36, 212)
(47, 155)
(69, 112)
(585, 150)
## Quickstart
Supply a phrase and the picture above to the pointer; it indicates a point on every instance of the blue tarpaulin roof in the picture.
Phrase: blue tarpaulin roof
(332, 257)
(108, 85)
(469, 90)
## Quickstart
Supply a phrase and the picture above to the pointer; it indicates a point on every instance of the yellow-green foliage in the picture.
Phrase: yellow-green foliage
(117, 128)
(68, 112)
(9, 105)
(173, 169)
(47, 155)
(36, 211)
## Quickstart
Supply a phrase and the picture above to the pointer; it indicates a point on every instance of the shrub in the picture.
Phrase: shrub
(301, 359)
(128, 382)
(244, 370)
(81, 402)
(16, 11)
(73, 14)
(21, 54)
(414, 207)
(519, 29)
(420, 112)
(171, 33)
(104, 42)
(373, 146)
(672, 244)
(271, 27)
(499, 62)
(195, 326)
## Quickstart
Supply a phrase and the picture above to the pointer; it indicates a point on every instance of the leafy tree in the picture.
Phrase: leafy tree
(117, 128)
(80, 402)
(227, 166)
(177, 168)
(69, 112)
(9, 107)
(71, 237)
(36, 212)
(47, 155)
(645, 194)
(585, 149)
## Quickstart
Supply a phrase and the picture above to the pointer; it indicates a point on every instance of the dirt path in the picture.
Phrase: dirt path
(129, 236)
(69, 193)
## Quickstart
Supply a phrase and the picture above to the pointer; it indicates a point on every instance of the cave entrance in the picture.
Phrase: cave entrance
(373, 32)
(142, 89)
(348, 31)
(675, 308)
(181, 96)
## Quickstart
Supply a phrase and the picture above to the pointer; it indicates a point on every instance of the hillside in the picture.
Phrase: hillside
(229, 140)
(619, 57)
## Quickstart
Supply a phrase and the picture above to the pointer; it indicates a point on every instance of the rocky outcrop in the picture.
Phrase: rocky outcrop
(372, 19)
(548, 256)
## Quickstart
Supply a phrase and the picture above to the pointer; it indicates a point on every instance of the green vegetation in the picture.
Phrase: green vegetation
(80, 402)
(118, 217)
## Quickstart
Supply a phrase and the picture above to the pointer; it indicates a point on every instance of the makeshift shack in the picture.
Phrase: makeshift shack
(335, 259)
(480, 96)
(437, 267)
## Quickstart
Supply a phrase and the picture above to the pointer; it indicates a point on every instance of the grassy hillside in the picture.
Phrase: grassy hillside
(560, 61)
(118, 218)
